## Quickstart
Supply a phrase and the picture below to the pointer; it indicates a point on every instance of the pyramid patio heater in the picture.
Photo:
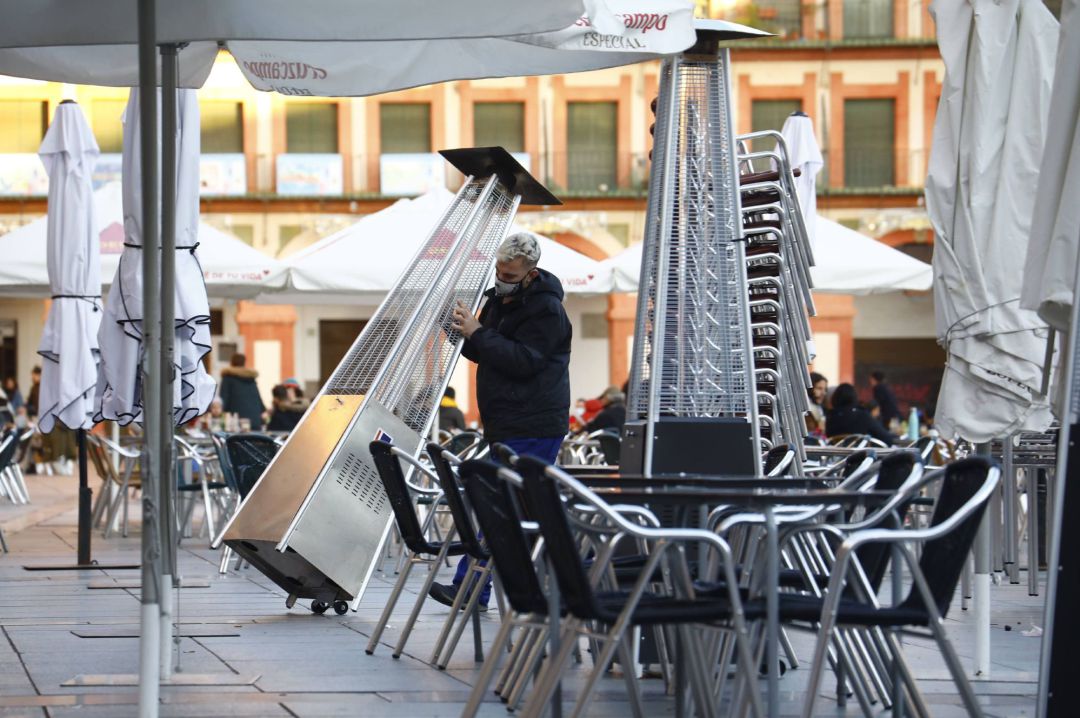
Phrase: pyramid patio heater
(316, 521)
(692, 404)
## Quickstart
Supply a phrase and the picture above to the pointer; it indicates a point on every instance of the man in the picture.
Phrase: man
(613, 415)
(451, 418)
(886, 399)
(521, 346)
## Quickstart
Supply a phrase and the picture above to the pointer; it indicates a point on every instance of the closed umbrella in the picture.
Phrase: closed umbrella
(980, 192)
(1049, 284)
(805, 156)
(120, 382)
(69, 344)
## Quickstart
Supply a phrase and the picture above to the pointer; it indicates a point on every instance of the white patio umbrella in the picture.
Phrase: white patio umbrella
(231, 268)
(983, 170)
(343, 48)
(362, 262)
(69, 343)
(120, 382)
(847, 263)
(804, 155)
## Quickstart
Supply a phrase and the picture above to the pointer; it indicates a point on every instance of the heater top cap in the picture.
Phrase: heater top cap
(711, 32)
(487, 161)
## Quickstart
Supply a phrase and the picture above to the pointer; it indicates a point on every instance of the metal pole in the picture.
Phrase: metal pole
(168, 317)
(1008, 477)
(149, 643)
(982, 586)
(85, 503)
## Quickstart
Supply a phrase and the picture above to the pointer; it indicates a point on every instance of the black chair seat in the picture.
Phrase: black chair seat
(801, 607)
(212, 485)
(456, 548)
(654, 609)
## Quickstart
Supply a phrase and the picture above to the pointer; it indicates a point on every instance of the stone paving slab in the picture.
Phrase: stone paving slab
(309, 666)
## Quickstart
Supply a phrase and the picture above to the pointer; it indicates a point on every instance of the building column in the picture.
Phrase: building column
(834, 337)
(269, 322)
(622, 310)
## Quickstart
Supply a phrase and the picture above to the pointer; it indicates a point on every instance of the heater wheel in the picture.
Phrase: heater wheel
(341, 607)
(319, 607)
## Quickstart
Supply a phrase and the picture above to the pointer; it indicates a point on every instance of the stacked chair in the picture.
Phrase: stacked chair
(778, 260)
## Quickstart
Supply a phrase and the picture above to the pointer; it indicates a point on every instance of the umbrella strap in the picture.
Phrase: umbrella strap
(189, 247)
(92, 298)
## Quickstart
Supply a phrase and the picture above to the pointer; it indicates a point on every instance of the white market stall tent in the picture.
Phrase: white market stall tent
(847, 262)
(231, 268)
(360, 263)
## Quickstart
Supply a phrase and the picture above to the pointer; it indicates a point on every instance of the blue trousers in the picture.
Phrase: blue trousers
(545, 449)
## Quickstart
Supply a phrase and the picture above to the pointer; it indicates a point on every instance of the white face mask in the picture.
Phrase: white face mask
(506, 289)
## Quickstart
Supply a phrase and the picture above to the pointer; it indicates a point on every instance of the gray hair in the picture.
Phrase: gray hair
(519, 244)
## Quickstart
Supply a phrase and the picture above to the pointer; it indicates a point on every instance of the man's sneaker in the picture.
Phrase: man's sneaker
(446, 594)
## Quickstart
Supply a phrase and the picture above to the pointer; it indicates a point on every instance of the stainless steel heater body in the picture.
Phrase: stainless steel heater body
(316, 521)
(692, 404)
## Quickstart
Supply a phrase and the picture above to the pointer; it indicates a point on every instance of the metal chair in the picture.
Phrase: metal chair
(118, 468)
(401, 494)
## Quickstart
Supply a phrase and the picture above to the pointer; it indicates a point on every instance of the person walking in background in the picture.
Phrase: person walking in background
(815, 418)
(14, 396)
(885, 398)
(240, 393)
(451, 419)
(35, 391)
(847, 417)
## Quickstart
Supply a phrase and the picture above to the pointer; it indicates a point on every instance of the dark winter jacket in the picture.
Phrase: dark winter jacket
(522, 350)
(886, 400)
(240, 395)
(612, 416)
(856, 420)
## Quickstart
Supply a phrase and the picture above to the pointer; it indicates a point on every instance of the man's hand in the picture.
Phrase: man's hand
(464, 321)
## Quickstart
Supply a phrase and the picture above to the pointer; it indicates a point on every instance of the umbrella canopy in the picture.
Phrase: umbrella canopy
(363, 261)
(342, 48)
(69, 344)
(804, 155)
(980, 192)
(1050, 272)
(231, 268)
(847, 263)
(119, 382)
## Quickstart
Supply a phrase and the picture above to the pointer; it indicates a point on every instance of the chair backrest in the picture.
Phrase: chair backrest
(401, 500)
(856, 461)
(8, 444)
(610, 447)
(463, 441)
(943, 558)
(893, 472)
(493, 504)
(545, 503)
(227, 473)
(448, 481)
(778, 460)
(249, 454)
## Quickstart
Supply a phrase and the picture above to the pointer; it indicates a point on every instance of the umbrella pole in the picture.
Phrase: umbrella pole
(168, 332)
(149, 637)
(982, 586)
(84, 503)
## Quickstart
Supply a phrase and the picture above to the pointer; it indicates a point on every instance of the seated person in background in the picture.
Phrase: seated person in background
(815, 418)
(613, 415)
(287, 408)
(451, 419)
(847, 417)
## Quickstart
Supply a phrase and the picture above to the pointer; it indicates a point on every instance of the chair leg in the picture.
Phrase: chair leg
(208, 520)
(550, 675)
(472, 587)
(430, 579)
(519, 680)
(488, 671)
(223, 565)
(3, 541)
(395, 593)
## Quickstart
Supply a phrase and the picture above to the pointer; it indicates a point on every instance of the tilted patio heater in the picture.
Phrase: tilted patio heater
(692, 405)
(316, 520)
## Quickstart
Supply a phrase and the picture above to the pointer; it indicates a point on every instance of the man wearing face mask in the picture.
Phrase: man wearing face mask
(521, 345)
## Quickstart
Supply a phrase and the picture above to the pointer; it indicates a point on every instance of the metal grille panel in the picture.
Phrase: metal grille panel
(418, 368)
(692, 324)
(370, 350)
(358, 478)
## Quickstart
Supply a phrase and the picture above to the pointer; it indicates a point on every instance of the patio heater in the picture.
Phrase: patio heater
(316, 521)
(692, 404)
